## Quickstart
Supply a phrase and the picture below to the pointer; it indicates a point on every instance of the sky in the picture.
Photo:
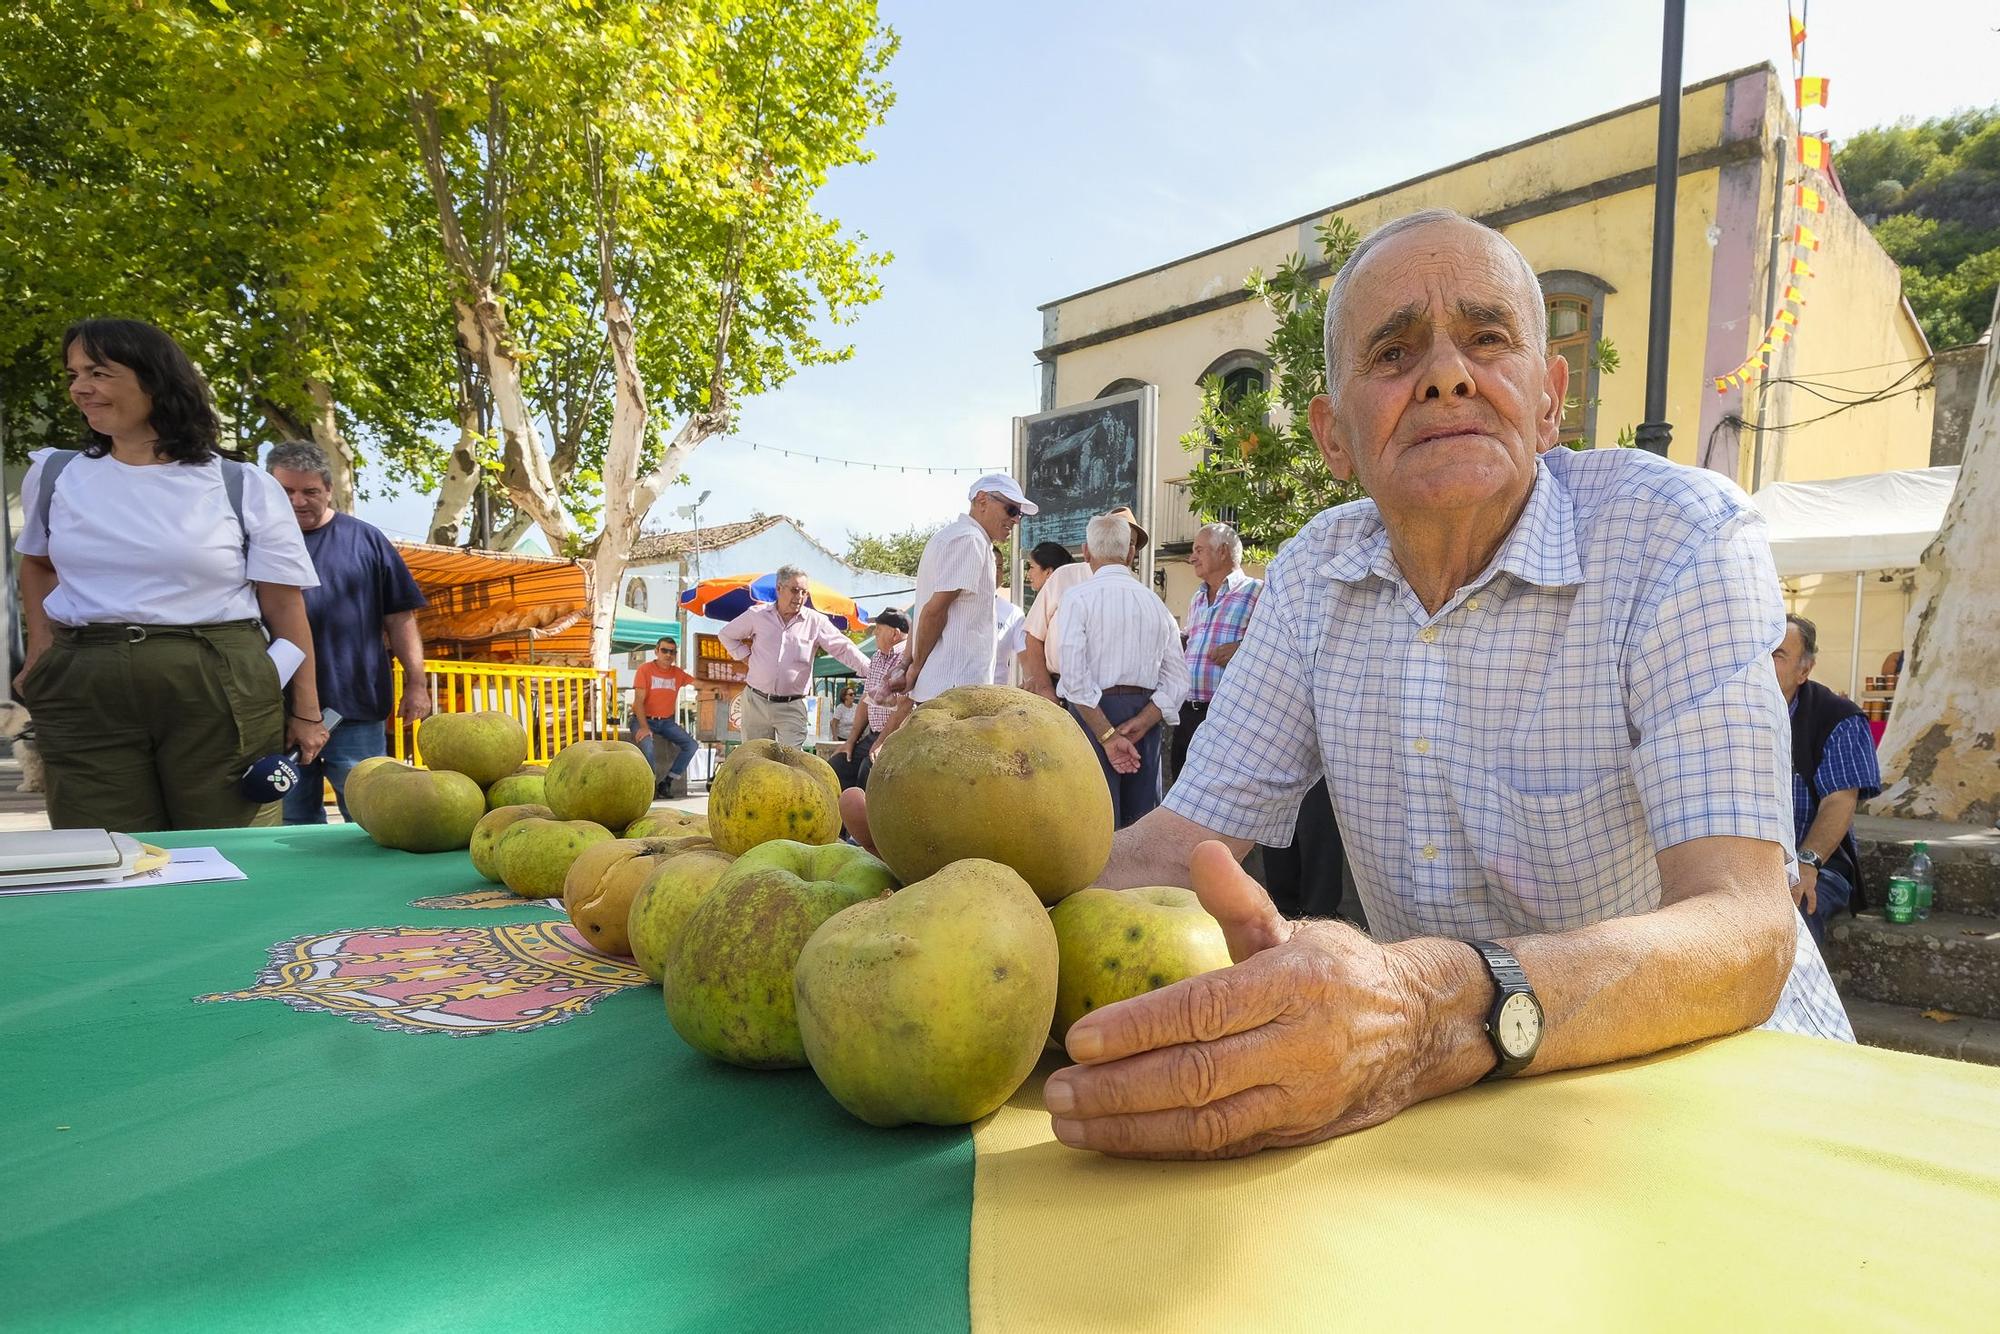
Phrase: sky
(1037, 149)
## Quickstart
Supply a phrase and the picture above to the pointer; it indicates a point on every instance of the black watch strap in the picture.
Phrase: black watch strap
(1509, 979)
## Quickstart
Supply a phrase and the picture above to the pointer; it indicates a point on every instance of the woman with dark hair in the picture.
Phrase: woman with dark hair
(151, 571)
(1045, 560)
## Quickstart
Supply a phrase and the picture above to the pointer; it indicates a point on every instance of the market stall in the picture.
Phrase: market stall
(1867, 529)
(350, 1091)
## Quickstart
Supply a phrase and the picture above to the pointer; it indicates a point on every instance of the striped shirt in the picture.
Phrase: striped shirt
(1514, 763)
(875, 686)
(1117, 632)
(1215, 620)
(1847, 761)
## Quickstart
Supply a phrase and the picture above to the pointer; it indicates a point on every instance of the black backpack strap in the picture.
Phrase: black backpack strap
(232, 486)
(52, 468)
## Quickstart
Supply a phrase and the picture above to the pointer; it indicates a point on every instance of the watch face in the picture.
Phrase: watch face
(1520, 1026)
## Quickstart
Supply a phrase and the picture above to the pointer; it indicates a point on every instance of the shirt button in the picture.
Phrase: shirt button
(1423, 745)
(1428, 634)
(1430, 852)
(1472, 604)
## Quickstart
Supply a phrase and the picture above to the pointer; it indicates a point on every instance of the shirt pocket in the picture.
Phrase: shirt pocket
(1562, 860)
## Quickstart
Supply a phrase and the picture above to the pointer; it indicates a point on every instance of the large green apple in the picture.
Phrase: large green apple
(484, 746)
(486, 835)
(606, 782)
(1121, 943)
(767, 790)
(418, 810)
(534, 854)
(728, 977)
(664, 903)
(932, 1004)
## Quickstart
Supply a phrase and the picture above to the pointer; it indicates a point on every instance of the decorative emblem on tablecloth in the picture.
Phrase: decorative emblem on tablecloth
(481, 898)
(462, 981)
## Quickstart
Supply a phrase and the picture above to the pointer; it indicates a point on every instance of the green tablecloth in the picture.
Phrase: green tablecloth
(168, 1164)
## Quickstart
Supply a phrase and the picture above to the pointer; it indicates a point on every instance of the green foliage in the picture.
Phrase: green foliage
(893, 553)
(1932, 192)
(1259, 465)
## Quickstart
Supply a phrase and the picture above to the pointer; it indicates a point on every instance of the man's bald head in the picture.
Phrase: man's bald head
(1535, 312)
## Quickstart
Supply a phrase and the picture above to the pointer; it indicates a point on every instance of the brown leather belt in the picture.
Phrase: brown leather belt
(775, 699)
(1128, 690)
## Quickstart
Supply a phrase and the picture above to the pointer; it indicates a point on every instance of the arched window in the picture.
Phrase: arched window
(1576, 325)
(1241, 372)
(635, 594)
(1124, 386)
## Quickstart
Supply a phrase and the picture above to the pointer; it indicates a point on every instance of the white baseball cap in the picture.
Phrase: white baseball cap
(1005, 487)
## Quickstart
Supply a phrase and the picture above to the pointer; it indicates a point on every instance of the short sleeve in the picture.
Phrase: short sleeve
(1037, 623)
(34, 538)
(1848, 759)
(398, 588)
(1714, 743)
(277, 547)
(963, 558)
(1258, 750)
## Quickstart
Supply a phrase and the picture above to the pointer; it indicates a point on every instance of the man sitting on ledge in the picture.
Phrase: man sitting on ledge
(1539, 684)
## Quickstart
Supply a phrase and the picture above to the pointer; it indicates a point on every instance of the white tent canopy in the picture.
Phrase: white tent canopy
(1848, 524)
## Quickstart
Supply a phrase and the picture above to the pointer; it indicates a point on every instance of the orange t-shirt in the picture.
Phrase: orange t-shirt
(655, 689)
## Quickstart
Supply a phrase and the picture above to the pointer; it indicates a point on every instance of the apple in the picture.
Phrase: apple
(418, 810)
(534, 855)
(678, 884)
(1121, 943)
(931, 1004)
(728, 980)
(767, 791)
(606, 782)
(484, 746)
(487, 833)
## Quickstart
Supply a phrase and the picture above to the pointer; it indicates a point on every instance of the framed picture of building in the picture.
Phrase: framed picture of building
(1079, 461)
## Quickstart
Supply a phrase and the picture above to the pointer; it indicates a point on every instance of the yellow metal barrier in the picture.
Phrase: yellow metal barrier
(557, 705)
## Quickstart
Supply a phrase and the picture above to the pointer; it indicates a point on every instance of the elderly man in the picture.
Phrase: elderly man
(1217, 616)
(1833, 771)
(1539, 684)
(1041, 652)
(879, 697)
(956, 634)
(780, 642)
(365, 597)
(1123, 671)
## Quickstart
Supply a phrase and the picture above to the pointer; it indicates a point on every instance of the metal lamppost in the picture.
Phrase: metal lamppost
(1655, 432)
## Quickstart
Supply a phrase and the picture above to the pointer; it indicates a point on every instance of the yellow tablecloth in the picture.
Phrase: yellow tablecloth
(1759, 1182)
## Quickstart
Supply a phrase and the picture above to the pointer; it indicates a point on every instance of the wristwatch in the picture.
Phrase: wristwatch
(1810, 858)
(1514, 1024)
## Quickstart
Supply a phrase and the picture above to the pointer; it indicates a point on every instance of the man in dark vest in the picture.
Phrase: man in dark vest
(1833, 770)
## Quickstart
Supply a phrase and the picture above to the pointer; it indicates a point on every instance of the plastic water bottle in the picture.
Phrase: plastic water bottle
(1917, 870)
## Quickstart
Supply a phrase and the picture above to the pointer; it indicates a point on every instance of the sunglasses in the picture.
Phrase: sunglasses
(1013, 511)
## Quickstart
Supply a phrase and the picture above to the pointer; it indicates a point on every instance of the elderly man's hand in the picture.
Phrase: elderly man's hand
(1311, 1034)
(1806, 892)
(1124, 756)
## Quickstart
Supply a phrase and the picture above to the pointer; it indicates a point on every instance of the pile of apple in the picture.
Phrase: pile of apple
(921, 985)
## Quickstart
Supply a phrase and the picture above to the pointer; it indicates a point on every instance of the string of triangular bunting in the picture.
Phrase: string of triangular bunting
(1809, 194)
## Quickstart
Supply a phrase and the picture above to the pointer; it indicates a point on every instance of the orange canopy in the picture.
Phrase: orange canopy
(492, 606)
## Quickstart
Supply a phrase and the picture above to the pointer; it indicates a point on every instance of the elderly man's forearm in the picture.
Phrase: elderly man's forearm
(1710, 963)
(1831, 822)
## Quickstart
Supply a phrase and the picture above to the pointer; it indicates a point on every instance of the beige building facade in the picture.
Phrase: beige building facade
(1578, 201)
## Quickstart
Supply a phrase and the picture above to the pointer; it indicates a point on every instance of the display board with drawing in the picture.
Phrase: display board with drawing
(1079, 461)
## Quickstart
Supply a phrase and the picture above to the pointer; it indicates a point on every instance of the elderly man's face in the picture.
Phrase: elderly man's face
(791, 596)
(1789, 660)
(1440, 399)
(1208, 557)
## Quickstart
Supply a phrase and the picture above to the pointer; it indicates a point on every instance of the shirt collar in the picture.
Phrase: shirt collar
(1232, 581)
(1539, 549)
(1113, 570)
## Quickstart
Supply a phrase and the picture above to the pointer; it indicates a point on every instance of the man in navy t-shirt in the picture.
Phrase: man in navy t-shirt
(365, 593)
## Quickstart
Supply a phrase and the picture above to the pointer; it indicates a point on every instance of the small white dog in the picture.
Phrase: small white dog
(16, 726)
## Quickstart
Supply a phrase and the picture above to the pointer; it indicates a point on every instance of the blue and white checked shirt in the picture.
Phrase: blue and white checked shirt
(1512, 764)
(1847, 761)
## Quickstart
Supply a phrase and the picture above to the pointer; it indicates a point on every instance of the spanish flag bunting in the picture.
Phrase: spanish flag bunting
(1812, 92)
(1812, 152)
(1767, 346)
(1811, 200)
(1794, 295)
(1801, 268)
(1803, 235)
(1787, 317)
(1722, 384)
(1798, 36)
(1784, 335)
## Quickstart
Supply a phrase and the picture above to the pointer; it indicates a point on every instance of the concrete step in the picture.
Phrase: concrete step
(1965, 861)
(1951, 962)
(1905, 1028)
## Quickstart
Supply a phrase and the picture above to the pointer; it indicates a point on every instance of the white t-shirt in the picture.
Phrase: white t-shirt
(1011, 626)
(159, 544)
(958, 558)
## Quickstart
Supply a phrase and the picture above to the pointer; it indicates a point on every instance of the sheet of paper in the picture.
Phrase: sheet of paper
(287, 657)
(189, 866)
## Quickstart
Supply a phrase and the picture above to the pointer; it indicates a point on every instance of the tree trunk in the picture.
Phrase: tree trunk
(1940, 742)
(525, 469)
(326, 434)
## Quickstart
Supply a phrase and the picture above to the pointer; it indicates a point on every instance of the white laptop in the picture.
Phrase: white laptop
(65, 856)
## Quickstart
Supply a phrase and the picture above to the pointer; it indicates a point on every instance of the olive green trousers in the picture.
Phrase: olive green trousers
(146, 728)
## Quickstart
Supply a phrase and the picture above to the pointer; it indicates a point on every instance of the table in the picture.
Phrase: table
(325, 1160)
